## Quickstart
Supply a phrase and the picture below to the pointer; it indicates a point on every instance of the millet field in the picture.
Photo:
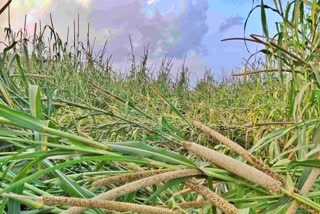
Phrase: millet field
(78, 137)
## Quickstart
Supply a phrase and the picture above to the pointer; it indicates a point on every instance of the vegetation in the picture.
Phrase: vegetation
(76, 136)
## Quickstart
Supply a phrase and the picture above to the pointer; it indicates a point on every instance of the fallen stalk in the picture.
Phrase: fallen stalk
(247, 172)
(127, 177)
(237, 167)
(93, 203)
(210, 196)
(137, 185)
(239, 150)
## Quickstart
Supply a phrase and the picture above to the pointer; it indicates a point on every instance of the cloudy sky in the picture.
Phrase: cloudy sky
(190, 29)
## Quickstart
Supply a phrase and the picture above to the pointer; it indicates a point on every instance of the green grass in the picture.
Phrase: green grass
(68, 119)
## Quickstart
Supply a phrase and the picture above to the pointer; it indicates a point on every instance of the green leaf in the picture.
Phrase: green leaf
(70, 186)
(244, 211)
(171, 105)
(21, 119)
(304, 176)
(307, 163)
(12, 132)
(316, 72)
(131, 197)
(38, 174)
(163, 188)
(264, 20)
(21, 72)
(35, 154)
(6, 96)
(171, 128)
(155, 153)
(131, 104)
(289, 183)
(14, 205)
(35, 102)
(24, 120)
(279, 59)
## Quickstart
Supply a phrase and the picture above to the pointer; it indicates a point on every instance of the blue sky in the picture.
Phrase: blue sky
(215, 20)
(190, 29)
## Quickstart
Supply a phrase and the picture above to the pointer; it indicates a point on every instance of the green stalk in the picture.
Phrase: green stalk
(68, 147)
(301, 199)
(77, 138)
(255, 198)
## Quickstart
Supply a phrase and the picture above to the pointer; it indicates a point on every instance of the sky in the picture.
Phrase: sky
(189, 30)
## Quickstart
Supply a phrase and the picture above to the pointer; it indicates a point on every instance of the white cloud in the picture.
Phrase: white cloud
(63, 12)
(152, 1)
(84, 3)
(173, 33)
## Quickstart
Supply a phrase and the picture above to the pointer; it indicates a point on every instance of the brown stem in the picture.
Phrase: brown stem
(107, 92)
(5, 6)
(272, 44)
(271, 123)
(271, 70)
